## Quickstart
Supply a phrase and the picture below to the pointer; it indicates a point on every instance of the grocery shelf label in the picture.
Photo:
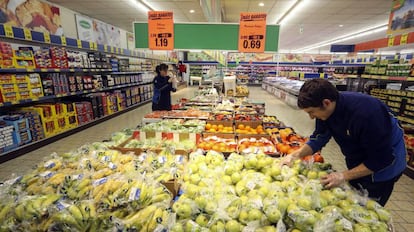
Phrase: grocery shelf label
(79, 43)
(160, 30)
(404, 38)
(105, 48)
(63, 40)
(46, 37)
(252, 32)
(391, 41)
(8, 30)
(27, 34)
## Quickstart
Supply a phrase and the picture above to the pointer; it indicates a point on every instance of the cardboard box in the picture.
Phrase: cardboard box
(173, 186)
(252, 124)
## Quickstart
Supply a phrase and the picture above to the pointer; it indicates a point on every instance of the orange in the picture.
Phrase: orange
(240, 126)
(259, 127)
(220, 126)
(247, 127)
(207, 146)
(214, 127)
(215, 147)
(208, 126)
(222, 149)
(212, 130)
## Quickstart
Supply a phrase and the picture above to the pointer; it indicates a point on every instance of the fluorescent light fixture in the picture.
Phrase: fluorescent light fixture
(192, 11)
(353, 35)
(261, 4)
(340, 25)
(139, 5)
(294, 7)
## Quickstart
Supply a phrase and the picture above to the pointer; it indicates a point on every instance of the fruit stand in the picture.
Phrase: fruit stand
(191, 170)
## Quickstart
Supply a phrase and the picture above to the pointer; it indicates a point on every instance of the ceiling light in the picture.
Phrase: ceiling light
(294, 7)
(192, 11)
(139, 5)
(353, 35)
(340, 25)
(261, 4)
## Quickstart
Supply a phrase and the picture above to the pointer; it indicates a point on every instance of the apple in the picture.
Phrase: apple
(383, 215)
(191, 226)
(305, 203)
(191, 190)
(264, 191)
(312, 175)
(193, 168)
(178, 227)
(344, 204)
(244, 216)
(339, 193)
(328, 196)
(282, 205)
(233, 226)
(379, 227)
(201, 202)
(273, 214)
(202, 220)
(241, 188)
(266, 229)
(227, 179)
(229, 169)
(233, 212)
(251, 163)
(261, 163)
(195, 179)
(322, 174)
(184, 211)
(275, 171)
(235, 177)
(361, 228)
(255, 214)
(373, 205)
(219, 226)
(211, 207)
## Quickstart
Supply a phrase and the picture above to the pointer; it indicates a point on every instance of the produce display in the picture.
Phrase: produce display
(242, 90)
(227, 181)
(222, 116)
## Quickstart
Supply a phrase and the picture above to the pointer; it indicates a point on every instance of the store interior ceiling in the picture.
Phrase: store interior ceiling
(309, 26)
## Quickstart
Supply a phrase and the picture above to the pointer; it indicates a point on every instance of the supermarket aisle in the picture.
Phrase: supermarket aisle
(401, 203)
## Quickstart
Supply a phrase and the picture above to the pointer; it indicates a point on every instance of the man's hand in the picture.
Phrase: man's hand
(332, 180)
(289, 159)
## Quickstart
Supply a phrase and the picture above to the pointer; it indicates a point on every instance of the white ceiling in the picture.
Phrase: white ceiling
(319, 19)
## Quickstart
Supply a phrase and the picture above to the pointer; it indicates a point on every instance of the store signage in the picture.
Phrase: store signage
(391, 41)
(27, 34)
(8, 30)
(160, 30)
(63, 40)
(401, 17)
(79, 43)
(46, 37)
(252, 32)
(404, 39)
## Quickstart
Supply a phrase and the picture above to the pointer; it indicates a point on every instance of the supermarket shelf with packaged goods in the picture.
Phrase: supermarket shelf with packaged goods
(4, 157)
(50, 85)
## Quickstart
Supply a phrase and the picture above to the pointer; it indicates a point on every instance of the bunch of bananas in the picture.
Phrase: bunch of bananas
(242, 90)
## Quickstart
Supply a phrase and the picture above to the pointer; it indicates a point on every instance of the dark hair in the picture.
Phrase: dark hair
(314, 91)
(161, 67)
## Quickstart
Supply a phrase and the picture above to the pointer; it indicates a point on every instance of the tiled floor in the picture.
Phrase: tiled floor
(401, 202)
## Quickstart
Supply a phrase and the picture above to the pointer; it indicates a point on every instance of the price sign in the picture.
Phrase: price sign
(252, 32)
(95, 46)
(91, 45)
(46, 37)
(27, 34)
(79, 43)
(8, 30)
(391, 41)
(160, 30)
(404, 38)
(105, 48)
(63, 40)
(112, 49)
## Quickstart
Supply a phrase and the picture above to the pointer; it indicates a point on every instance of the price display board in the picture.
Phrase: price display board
(160, 30)
(252, 32)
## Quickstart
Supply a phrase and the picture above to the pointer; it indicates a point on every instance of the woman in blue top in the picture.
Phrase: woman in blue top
(367, 132)
(162, 89)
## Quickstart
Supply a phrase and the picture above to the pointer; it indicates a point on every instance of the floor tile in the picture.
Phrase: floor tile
(406, 215)
(408, 226)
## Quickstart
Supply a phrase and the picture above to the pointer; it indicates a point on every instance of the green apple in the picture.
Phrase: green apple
(191, 190)
(244, 216)
(219, 226)
(379, 227)
(211, 207)
(193, 168)
(328, 196)
(305, 203)
(195, 179)
(266, 229)
(264, 190)
(235, 177)
(251, 163)
(339, 193)
(275, 171)
(255, 214)
(201, 202)
(383, 215)
(202, 220)
(273, 214)
(373, 205)
(178, 227)
(361, 228)
(229, 169)
(282, 205)
(241, 188)
(312, 175)
(233, 212)
(233, 226)
(261, 163)
(227, 179)
(322, 174)
(343, 204)
(184, 211)
(191, 226)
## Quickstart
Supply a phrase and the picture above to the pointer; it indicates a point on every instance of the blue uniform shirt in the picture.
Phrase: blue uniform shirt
(367, 132)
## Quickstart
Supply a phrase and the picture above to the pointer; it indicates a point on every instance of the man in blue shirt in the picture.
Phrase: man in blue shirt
(367, 132)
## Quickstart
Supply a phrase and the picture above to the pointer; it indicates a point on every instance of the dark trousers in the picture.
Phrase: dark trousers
(378, 191)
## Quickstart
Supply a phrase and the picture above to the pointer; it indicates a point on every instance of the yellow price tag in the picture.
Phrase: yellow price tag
(404, 39)
(46, 37)
(8, 30)
(112, 49)
(27, 34)
(391, 41)
(95, 46)
(122, 51)
(106, 48)
(79, 43)
(91, 45)
(63, 40)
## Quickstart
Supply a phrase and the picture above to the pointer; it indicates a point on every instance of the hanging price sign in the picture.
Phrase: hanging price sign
(46, 37)
(63, 40)
(8, 30)
(404, 38)
(252, 32)
(27, 34)
(391, 41)
(79, 43)
(160, 30)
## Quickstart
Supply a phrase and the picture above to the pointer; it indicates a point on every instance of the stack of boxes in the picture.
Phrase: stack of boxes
(98, 60)
(20, 87)
(21, 131)
(75, 59)
(6, 55)
(43, 59)
(8, 88)
(114, 64)
(84, 112)
(55, 83)
(69, 112)
(23, 58)
(35, 124)
(6, 137)
(112, 103)
(59, 57)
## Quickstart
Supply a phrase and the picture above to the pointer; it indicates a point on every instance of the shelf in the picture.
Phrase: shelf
(44, 98)
(35, 145)
(129, 72)
(49, 70)
(389, 78)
